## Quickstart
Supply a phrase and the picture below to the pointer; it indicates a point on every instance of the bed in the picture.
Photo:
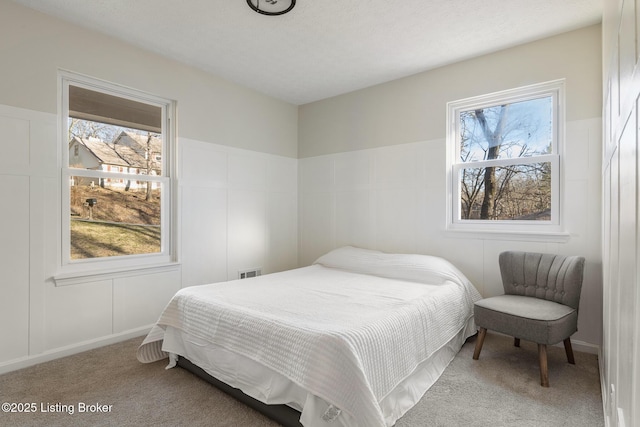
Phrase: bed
(355, 339)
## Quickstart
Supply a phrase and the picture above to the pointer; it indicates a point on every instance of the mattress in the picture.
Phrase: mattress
(339, 340)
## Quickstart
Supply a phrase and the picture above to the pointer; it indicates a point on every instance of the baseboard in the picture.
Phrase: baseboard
(583, 347)
(24, 362)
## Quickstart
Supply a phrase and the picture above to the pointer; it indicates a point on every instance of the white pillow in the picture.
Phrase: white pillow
(416, 268)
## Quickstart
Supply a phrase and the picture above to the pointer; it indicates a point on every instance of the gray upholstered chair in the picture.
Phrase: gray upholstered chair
(542, 294)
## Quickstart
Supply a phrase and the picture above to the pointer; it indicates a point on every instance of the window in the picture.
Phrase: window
(117, 168)
(503, 160)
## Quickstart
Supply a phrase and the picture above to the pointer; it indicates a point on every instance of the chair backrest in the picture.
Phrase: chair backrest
(552, 277)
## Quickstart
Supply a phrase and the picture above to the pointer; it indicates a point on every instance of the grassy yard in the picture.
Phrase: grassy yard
(116, 205)
(90, 239)
(121, 223)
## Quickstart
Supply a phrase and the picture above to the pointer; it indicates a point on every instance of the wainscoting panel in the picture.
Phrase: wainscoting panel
(203, 248)
(14, 265)
(77, 313)
(154, 289)
(239, 211)
(282, 230)
(15, 144)
(247, 231)
(317, 225)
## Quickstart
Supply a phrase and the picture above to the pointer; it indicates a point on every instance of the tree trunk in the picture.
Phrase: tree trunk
(494, 139)
(488, 203)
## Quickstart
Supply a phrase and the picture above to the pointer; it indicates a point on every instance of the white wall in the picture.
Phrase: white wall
(237, 188)
(364, 181)
(621, 241)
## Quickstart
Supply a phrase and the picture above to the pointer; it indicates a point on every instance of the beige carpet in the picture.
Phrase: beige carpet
(500, 389)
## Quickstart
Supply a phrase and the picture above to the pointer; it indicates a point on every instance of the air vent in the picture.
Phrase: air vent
(246, 274)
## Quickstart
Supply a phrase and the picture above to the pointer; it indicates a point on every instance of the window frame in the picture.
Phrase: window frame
(72, 271)
(532, 229)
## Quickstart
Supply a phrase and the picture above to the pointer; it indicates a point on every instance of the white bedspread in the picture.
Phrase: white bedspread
(345, 336)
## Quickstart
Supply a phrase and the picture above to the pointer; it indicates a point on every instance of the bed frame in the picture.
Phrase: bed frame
(283, 414)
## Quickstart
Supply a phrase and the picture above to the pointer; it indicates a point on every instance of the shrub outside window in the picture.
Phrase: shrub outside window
(503, 153)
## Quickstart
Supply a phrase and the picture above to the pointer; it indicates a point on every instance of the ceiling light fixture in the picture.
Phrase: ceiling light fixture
(271, 7)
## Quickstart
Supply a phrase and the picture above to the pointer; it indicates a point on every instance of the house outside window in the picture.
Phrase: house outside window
(116, 198)
(503, 155)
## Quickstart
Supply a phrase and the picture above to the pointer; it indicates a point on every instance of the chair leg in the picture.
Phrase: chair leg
(516, 342)
(480, 340)
(544, 369)
(569, 351)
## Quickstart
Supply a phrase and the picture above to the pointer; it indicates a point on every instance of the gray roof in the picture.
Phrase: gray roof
(133, 147)
(127, 150)
(102, 151)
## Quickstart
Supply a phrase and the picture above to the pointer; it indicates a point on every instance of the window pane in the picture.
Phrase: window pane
(517, 192)
(114, 217)
(510, 130)
(99, 146)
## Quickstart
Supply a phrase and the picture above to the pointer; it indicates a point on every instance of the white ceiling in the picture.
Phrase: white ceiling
(323, 48)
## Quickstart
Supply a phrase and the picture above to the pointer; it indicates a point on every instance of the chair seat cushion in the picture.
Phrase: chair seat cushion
(528, 318)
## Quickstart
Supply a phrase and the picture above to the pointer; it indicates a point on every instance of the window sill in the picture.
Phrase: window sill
(527, 236)
(80, 277)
